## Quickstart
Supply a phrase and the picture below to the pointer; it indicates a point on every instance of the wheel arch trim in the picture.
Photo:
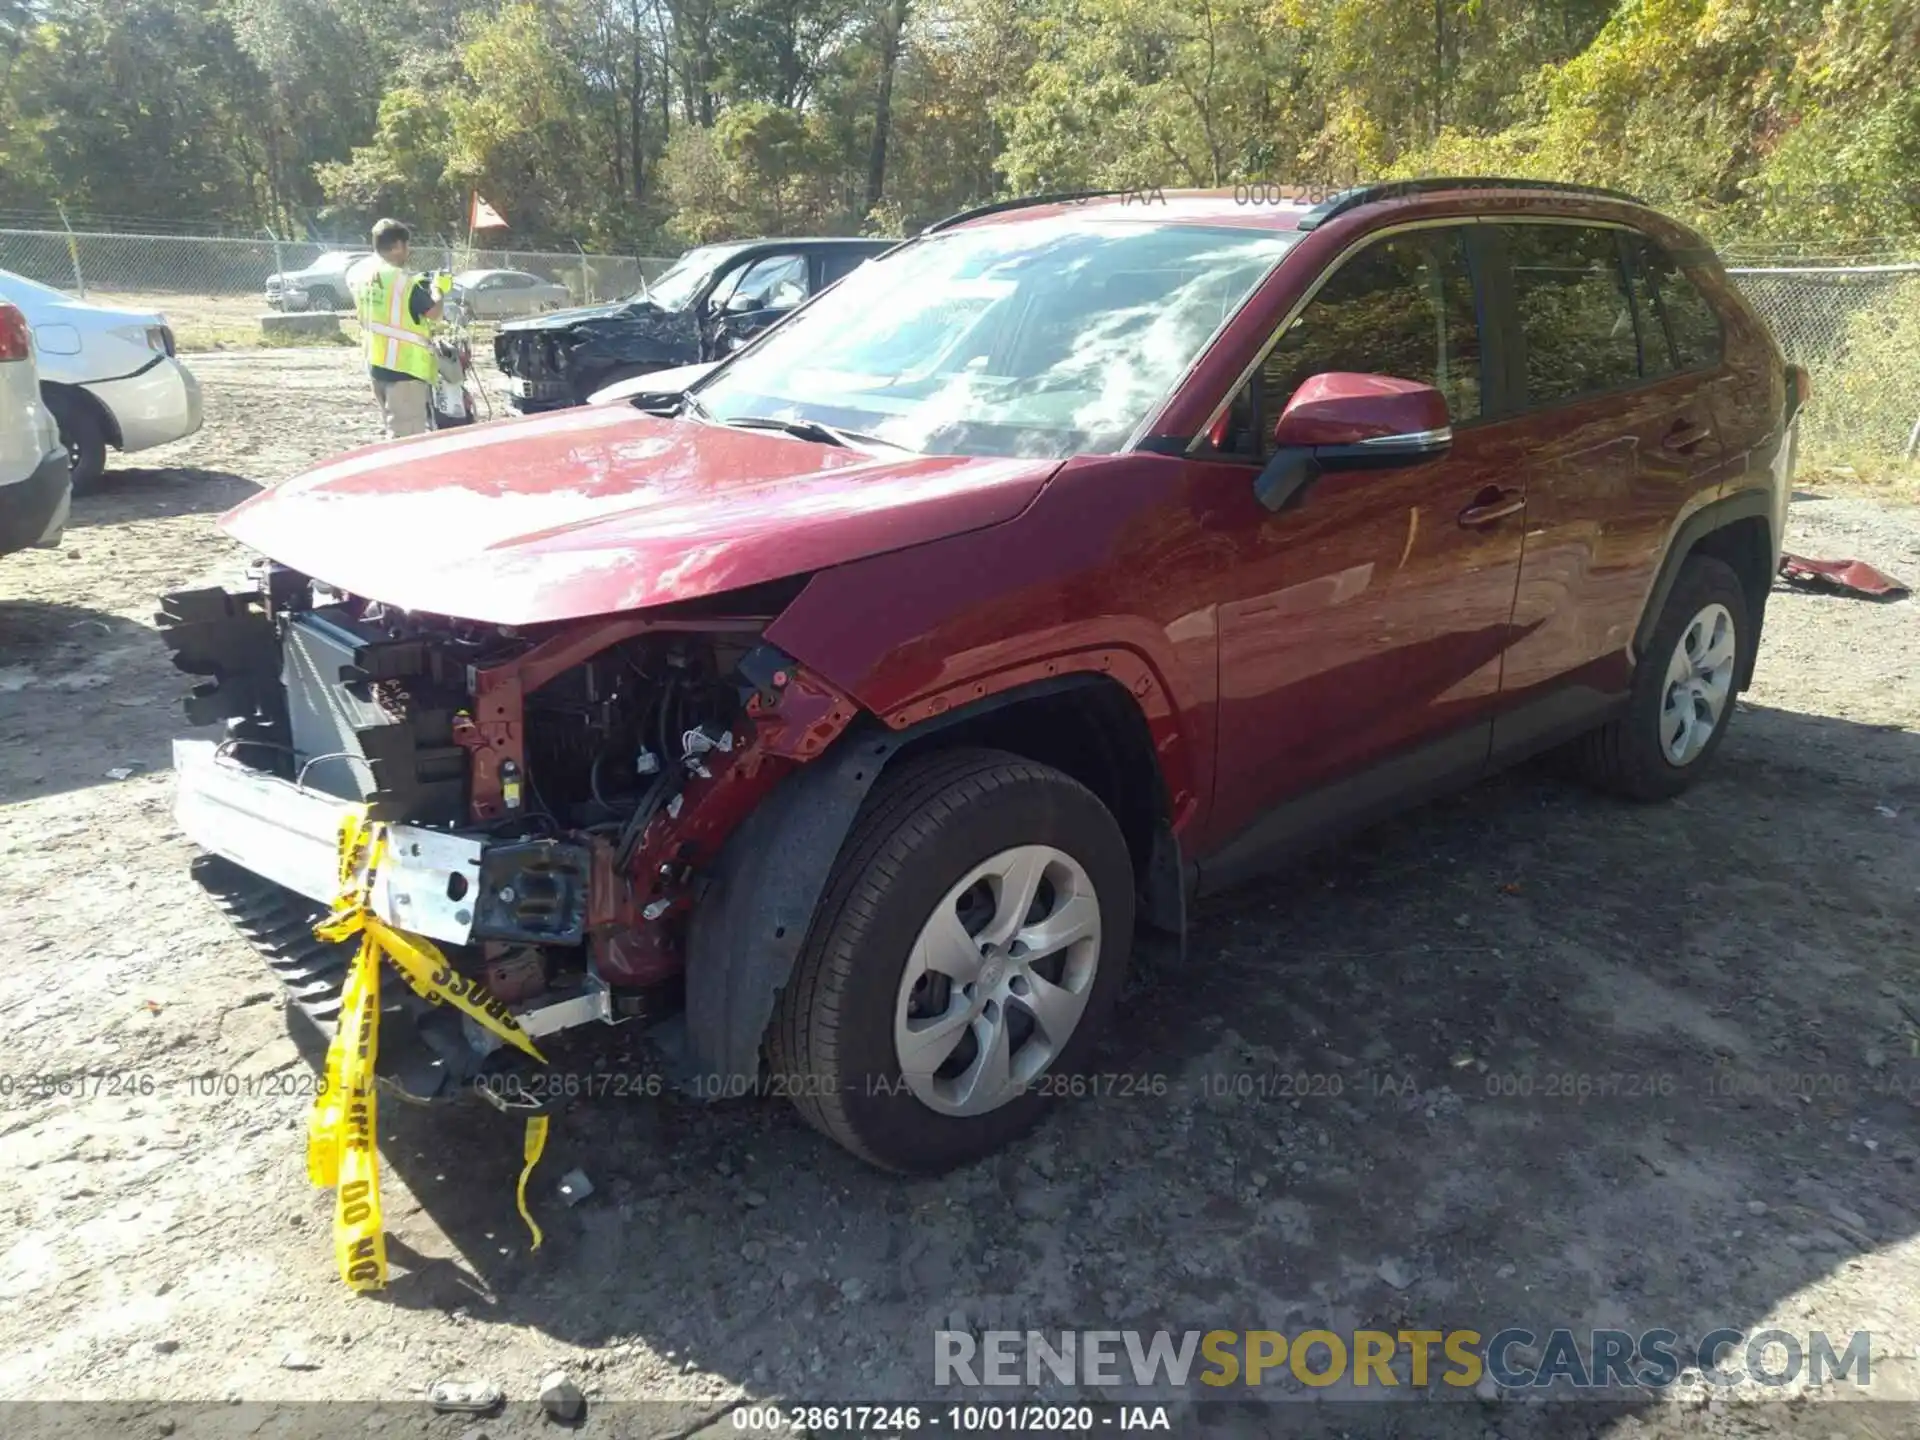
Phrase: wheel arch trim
(1047, 674)
(758, 905)
(1744, 505)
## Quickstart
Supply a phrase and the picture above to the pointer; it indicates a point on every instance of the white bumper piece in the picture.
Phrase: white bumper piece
(159, 404)
(288, 835)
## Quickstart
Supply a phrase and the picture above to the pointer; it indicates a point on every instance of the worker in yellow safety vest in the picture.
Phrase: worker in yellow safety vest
(395, 308)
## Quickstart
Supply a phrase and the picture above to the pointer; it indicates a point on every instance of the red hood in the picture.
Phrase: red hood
(599, 510)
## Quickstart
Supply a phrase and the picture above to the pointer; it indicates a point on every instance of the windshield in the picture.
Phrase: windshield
(675, 289)
(1047, 338)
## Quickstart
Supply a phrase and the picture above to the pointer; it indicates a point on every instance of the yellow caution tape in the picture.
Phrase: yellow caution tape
(342, 1150)
(535, 1142)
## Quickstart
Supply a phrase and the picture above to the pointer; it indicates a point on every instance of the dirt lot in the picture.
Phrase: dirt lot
(1595, 1066)
(203, 323)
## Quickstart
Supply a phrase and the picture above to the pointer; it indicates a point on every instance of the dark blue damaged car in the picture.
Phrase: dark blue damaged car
(713, 300)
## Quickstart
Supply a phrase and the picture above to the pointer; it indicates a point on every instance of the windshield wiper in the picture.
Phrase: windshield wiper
(810, 430)
(689, 404)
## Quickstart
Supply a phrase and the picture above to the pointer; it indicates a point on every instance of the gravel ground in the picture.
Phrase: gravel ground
(1732, 974)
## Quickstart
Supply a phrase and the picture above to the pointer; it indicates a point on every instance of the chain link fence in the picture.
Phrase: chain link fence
(1852, 319)
(213, 290)
(1856, 329)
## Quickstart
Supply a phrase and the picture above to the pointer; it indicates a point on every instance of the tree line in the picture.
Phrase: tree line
(642, 124)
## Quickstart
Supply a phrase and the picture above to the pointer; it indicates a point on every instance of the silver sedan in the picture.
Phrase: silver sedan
(506, 294)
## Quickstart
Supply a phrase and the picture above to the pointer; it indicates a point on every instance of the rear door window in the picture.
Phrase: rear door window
(1575, 311)
(1404, 306)
(835, 264)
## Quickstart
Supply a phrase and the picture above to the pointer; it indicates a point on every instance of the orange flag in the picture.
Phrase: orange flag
(485, 217)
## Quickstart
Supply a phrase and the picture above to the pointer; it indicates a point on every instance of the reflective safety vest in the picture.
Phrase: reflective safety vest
(394, 340)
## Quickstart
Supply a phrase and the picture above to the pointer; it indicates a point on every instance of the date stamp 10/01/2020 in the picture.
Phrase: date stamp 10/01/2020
(1472, 1082)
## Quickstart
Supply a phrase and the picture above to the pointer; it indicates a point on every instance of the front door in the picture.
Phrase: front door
(756, 296)
(1361, 630)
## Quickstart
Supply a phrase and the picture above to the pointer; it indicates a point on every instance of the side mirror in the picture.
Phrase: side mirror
(1345, 421)
(738, 304)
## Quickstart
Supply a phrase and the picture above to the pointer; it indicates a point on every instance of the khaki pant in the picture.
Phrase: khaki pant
(403, 405)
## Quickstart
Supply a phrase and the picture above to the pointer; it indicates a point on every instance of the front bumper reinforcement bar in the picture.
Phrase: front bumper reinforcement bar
(289, 835)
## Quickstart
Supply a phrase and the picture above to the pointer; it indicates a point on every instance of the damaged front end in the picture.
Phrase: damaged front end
(558, 360)
(556, 793)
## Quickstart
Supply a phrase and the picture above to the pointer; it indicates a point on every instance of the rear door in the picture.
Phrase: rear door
(1622, 443)
(1696, 346)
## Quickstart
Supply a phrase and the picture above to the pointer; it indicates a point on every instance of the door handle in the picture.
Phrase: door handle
(1684, 436)
(1493, 504)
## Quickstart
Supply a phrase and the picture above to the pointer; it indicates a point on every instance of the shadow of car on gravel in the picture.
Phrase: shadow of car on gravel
(1524, 1057)
(82, 693)
(126, 493)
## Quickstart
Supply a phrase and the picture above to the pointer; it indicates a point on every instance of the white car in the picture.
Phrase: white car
(109, 376)
(34, 483)
(506, 294)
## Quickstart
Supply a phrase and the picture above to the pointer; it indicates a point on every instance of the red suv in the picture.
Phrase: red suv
(1079, 556)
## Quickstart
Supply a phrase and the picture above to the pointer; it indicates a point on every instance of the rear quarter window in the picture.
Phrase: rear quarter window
(1692, 321)
(1656, 342)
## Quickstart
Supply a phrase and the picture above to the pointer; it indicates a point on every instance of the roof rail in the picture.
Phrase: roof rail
(1060, 197)
(1393, 189)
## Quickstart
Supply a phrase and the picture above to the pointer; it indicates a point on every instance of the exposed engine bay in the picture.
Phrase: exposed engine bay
(581, 774)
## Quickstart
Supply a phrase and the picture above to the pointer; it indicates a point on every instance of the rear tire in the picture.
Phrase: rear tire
(939, 850)
(83, 431)
(1683, 690)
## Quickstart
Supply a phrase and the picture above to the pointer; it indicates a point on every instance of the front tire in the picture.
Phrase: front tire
(966, 954)
(1683, 690)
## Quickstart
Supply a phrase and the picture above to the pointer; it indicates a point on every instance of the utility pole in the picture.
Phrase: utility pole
(73, 254)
